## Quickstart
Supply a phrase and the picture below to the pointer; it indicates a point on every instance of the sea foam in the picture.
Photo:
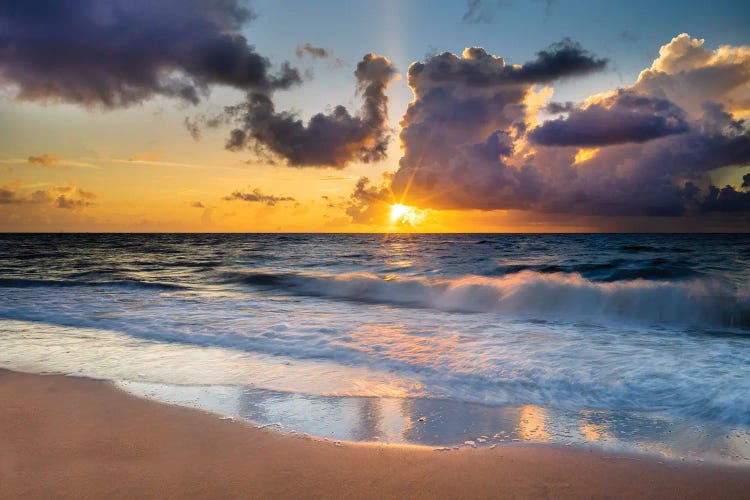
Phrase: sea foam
(527, 293)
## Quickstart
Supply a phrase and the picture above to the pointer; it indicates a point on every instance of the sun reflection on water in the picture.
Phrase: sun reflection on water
(532, 424)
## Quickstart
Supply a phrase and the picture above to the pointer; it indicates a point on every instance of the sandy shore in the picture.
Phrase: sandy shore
(76, 438)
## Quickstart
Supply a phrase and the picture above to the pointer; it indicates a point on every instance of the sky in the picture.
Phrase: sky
(353, 116)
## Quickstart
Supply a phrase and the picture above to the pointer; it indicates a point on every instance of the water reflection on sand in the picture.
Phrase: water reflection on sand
(447, 424)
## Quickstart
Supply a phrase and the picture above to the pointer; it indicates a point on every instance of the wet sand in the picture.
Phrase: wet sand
(63, 437)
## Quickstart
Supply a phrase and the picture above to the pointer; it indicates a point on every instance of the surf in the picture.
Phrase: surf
(567, 296)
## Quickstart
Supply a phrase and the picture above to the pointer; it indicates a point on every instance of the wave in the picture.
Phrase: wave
(649, 248)
(653, 273)
(613, 270)
(568, 296)
(62, 283)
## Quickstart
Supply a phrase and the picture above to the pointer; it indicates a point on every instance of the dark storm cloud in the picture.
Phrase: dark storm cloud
(746, 181)
(460, 130)
(314, 52)
(115, 53)
(257, 196)
(331, 140)
(633, 179)
(477, 68)
(726, 199)
(624, 117)
(470, 142)
(562, 59)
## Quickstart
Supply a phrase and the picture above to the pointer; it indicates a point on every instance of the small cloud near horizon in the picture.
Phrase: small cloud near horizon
(257, 196)
(64, 197)
(145, 157)
(45, 159)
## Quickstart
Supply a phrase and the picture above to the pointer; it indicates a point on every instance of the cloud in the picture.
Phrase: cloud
(468, 114)
(193, 128)
(70, 197)
(257, 196)
(11, 197)
(8, 197)
(65, 197)
(623, 117)
(483, 11)
(472, 138)
(88, 195)
(195, 125)
(478, 69)
(562, 59)
(48, 160)
(327, 140)
(726, 199)
(40, 196)
(368, 203)
(314, 52)
(336, 178)
(109, 53)
(44, 159)
(67, 203)
(144, 157)
(477, 11)
(689, 74)
(141, 159)
(197, 204)
(560, 107)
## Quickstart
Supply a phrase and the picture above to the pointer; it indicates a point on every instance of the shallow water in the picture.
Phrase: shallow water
(635, 341)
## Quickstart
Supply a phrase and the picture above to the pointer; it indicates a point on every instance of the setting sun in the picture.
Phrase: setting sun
(402, 214)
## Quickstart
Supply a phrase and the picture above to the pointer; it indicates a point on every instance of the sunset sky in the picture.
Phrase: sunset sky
(495, 115)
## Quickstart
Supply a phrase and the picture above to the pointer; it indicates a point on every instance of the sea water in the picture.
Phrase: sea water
(637, 342)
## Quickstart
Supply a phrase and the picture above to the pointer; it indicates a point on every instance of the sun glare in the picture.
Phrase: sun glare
(585, 154)
(404, 215)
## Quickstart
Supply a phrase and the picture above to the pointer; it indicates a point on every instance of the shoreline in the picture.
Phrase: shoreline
(76, 437)
(482, 438)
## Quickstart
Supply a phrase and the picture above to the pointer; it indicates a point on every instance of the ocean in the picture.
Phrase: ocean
(638, 342)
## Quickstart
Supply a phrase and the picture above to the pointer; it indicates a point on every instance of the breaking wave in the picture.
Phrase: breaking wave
(567, 296)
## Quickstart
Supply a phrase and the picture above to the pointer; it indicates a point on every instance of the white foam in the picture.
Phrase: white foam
(541, 296)
(96, 353)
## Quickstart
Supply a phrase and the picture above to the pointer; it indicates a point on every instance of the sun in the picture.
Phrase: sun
(405, 215)
(398, 212)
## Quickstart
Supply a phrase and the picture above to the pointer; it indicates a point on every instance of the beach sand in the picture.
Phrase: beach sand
(63, 437)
